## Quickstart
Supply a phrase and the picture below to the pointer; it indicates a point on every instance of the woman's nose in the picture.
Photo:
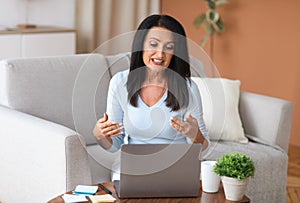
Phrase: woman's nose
(160, 52)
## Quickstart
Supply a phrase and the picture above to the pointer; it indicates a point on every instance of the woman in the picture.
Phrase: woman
(155, 101)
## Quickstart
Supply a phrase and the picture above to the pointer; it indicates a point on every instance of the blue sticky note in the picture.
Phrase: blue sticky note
(85, 189)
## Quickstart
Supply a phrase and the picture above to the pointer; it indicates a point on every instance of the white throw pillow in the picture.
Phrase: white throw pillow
(220, 99)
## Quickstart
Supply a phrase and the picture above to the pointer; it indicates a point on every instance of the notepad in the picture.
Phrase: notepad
(74, 198)
(85, 189)
(102, 198)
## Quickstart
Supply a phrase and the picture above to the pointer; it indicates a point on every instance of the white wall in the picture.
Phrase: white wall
(40, 12)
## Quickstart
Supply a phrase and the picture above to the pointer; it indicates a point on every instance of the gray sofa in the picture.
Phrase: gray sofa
(48, 108)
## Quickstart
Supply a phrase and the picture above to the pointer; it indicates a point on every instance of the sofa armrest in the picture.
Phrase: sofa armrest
(266, 119)
(39, 159)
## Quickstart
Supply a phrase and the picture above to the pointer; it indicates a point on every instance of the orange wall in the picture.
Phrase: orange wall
(260, 47)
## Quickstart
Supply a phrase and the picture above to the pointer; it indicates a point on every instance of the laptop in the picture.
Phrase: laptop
(159, 170)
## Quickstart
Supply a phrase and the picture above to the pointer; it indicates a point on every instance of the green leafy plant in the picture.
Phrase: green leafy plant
(235, 165)
(211, 20)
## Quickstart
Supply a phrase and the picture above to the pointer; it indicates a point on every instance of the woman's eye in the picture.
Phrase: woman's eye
(170, 47)
(153, 44)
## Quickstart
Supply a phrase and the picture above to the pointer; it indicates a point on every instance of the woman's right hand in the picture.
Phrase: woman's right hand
(105, 128)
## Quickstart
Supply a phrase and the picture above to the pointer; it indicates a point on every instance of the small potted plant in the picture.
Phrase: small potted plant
(235, 170)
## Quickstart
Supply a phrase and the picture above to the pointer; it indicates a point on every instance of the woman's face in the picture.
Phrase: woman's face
(158, 48)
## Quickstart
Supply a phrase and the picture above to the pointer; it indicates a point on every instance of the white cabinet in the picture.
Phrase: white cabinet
(10, 46)
(49, 44)
(37, 42)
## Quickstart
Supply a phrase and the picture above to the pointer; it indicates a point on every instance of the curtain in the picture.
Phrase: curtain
(97, 21)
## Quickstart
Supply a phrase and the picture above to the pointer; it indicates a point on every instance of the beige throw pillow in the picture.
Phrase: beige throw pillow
(220, 99)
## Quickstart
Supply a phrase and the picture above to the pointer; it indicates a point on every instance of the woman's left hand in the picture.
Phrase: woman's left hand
(187, 127)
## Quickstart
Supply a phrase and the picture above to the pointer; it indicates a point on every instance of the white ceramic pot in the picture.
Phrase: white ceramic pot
(234, 189)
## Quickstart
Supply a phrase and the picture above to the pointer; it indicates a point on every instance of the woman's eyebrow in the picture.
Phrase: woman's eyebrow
(154, 38)
(157, 39)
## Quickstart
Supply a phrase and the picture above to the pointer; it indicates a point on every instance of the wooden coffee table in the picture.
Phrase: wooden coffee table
(203, 197)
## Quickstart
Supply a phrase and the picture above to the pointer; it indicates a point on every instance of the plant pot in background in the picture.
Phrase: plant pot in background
(234, 189)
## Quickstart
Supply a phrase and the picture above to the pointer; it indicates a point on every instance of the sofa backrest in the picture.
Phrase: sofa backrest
(54, 88)
(68, 90)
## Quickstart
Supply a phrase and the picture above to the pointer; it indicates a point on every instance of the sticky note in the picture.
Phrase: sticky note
(85, 189)
(74, 198)
(102, 198)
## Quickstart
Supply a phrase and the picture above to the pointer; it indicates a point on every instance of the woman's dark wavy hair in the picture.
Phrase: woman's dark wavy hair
(176, 74)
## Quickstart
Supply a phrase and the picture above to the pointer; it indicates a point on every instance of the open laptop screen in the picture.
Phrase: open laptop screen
(159, 170)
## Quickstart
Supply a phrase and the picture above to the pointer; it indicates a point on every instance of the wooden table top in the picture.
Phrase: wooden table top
(39, 29)
(203, 197)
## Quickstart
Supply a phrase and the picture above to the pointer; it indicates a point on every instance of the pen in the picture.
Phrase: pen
(104, 188)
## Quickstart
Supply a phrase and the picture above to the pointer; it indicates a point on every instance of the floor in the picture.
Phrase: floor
(293, 180)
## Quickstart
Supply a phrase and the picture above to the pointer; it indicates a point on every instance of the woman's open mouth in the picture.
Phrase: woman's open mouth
(158, 62)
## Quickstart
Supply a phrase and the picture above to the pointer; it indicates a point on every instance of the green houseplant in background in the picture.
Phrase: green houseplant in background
(235, 170)
(212, 22)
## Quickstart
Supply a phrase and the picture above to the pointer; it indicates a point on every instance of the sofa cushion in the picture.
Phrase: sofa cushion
(220, 99)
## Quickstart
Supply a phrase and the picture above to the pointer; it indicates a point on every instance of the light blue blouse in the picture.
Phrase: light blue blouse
(148, 125)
